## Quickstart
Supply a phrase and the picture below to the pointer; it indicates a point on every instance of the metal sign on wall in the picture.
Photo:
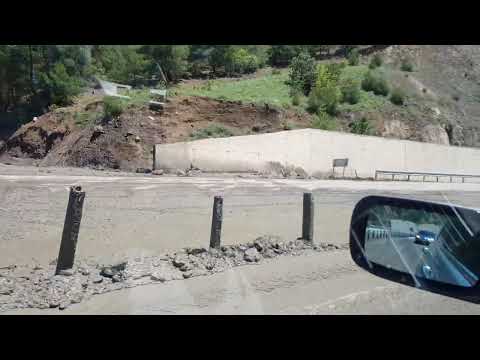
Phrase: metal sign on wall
(340, 163)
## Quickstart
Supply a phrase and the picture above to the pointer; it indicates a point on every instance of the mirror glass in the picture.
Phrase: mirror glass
(433, 242)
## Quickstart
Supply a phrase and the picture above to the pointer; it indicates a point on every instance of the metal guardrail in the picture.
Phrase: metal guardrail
(423, 174)
(376, 233)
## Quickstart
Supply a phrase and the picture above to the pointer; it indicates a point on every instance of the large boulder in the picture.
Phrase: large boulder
(252, 255)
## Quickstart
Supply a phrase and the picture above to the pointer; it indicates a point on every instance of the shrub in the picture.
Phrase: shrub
(281, 55)
(232, 59)
(406, 65)
(324, 99)
(353, 57)
(302, 74)
(61, 87)
(296, 98)
(313, 104)
(351, 93)
(120, 63)
(113, 106)
(335, 69)
(362, 127)
(241, 61)
(324, 121)
(376, 83)
(397, 97)
(326, 94)
(368, 82)
(172, 58)
(376, 61)
(211, 131)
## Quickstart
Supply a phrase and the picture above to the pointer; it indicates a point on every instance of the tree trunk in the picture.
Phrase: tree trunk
(32, 87)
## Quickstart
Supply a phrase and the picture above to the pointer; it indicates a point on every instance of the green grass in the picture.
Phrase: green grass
(83, 119)
(270, 89)
(354, 73)
(113, 106)
(138, 97)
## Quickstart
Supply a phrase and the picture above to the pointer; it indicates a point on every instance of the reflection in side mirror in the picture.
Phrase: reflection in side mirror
(424, 238)
(435, 245)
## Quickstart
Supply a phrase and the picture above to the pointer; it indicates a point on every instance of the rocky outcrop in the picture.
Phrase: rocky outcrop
(395, 129)
(435, 134)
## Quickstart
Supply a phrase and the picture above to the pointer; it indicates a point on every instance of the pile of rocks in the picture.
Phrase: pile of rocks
(277, 170)
(179, 172)
(38, 287)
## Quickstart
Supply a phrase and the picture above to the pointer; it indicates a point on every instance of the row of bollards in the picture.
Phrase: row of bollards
(73, 217)
(377, 234)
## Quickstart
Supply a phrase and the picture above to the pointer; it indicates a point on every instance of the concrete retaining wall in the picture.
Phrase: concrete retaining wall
(314, 151)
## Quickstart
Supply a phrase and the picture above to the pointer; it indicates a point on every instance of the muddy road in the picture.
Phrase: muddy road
(317, 284)
(138, 215)
(127, 215)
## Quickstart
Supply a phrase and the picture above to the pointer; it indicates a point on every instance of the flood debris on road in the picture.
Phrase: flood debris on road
(38, 287)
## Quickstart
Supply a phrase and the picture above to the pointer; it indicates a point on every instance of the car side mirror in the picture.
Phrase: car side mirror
(432, 246)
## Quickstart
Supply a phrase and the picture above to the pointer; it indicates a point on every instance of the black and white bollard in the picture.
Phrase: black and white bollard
(217, 216)
(71, 228)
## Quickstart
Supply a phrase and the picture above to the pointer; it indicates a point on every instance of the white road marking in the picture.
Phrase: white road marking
(347, 298)
(309, 185)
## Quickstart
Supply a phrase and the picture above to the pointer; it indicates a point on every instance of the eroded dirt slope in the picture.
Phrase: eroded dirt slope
(126, 143)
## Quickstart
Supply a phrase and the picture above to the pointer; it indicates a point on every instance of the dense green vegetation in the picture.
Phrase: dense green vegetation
(376, 83)
(353, 57)
(57, 73)
(41, 76)
(376, 62)
(302, 75)
(325, 89)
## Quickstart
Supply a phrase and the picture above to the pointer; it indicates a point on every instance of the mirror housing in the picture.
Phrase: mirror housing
(436, 259)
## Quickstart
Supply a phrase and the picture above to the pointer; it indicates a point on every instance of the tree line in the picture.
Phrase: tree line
(36, 76)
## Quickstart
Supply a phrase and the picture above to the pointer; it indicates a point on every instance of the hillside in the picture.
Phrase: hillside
(442, 94)
(64, 138)
(442, 105)
(450, 75)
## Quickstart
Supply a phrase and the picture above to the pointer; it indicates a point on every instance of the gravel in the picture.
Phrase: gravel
(252, 255)
(39, 287)
(66, 272)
